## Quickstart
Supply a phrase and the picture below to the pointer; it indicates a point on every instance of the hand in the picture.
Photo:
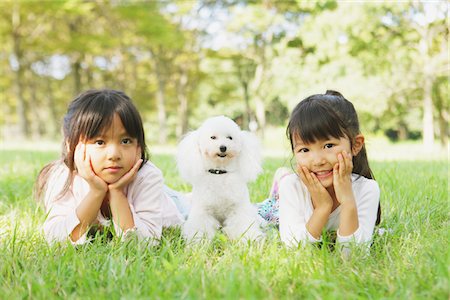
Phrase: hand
(84, 169)
(120, 208)
(319, 195)
(128, 177)
(342, 177)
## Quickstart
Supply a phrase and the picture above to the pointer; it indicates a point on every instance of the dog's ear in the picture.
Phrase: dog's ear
(250, 156)
(188, 158)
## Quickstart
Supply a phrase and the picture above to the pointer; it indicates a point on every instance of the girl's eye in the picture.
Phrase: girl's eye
(303, 150)
(229, 137)
(328, 145)
(213, 137)
(127, 141)
(99, 142)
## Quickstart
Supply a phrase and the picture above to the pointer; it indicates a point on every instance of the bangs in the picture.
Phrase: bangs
(95, 118)
(316, 120)
(98, 114)
(131, 121)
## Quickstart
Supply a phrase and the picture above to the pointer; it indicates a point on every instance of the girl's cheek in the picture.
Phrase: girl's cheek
(89, 150)
(138, 152)
(299, 162)
(299, 157)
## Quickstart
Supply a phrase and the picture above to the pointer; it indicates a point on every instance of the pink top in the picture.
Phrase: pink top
(150, 206)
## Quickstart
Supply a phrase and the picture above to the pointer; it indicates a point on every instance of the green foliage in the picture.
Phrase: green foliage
(408, 261)
(184, 60)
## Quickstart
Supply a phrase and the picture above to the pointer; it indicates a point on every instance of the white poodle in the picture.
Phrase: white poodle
(218, 159)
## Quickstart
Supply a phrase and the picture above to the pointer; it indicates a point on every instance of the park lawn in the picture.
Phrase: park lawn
(410, 261)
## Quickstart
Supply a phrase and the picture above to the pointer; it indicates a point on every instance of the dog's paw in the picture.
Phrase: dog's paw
(196, 231)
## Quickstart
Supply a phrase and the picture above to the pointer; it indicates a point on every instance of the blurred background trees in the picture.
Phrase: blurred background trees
(182, 61)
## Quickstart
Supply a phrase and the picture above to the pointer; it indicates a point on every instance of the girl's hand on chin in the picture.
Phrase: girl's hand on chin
(320, 197)
(127, 178)
(84, 168)
(342, 177)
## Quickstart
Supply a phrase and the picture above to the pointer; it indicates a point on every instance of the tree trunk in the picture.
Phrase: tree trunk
(443, 128)
(162, 116)
(442, 114)
(89, 72)
(22, 108)
(76, 63)
(76, 67)
(54, 122)
(428, 126)
(160, 97)
(39, 127)
(260, 109)
(182, 126)
(247, 113)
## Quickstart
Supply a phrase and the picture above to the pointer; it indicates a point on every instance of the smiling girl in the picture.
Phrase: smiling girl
(333, 187)
(104, 175)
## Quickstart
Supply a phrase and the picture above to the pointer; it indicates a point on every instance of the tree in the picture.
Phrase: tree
(24, 23)
(155, 37)
(419, 34)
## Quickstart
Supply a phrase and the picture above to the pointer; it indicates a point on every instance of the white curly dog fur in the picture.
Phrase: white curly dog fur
(218, 159)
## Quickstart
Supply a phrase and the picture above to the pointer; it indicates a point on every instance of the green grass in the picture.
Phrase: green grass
(411, 262)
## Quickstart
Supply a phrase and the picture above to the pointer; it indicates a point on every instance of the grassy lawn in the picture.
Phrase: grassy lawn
(409, 262)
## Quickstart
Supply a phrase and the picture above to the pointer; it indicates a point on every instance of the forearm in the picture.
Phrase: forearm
(87, 213)
(120, 210)
(348, 222)
(317, 222)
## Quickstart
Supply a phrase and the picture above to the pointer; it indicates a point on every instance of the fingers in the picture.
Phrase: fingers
(136, 166)
(80, 156)
(305, 175)
(349, 161)
(301, 173)
(128, 177)
(341, 164)
(309, 178)
(336, 172)
(344, 166)
(312, 178)
(83, 162)
(138, 153)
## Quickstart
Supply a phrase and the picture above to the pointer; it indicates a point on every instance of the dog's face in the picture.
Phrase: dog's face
(220, 140)
(218, 144)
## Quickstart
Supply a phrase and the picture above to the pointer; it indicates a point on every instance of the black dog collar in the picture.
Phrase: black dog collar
(217, 172)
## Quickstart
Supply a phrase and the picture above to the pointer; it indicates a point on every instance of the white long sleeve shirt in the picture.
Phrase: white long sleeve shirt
(296, 209)
(150, 206)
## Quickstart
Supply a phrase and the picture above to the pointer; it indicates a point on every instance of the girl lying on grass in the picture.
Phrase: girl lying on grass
(104, 175)
(333, 187)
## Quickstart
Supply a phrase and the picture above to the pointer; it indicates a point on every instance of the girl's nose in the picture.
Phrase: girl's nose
(113, 152)
(318, 159)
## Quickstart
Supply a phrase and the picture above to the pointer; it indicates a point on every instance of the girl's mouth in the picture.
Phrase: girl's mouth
(323, 174)
(113, 169)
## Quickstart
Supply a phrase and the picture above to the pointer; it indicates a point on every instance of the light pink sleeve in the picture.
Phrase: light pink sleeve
(145, 196)
(61, 212)
(293, 212)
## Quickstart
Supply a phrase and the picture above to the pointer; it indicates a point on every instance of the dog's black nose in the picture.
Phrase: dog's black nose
(223, 148)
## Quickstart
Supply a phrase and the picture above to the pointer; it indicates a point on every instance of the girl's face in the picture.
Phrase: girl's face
(113, 153)
(321, 156)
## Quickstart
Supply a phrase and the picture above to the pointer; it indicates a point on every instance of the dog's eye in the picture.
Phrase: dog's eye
(229, 137)
(213, 137)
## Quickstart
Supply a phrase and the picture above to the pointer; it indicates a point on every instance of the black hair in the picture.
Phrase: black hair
(87, 116)
(322, 116)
